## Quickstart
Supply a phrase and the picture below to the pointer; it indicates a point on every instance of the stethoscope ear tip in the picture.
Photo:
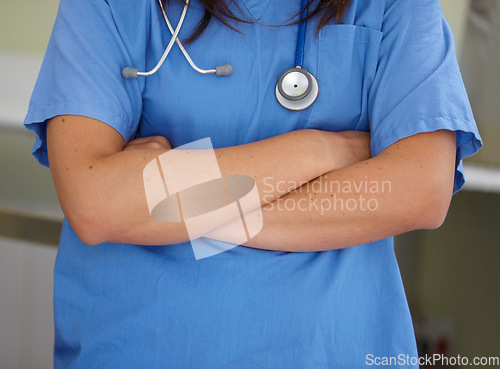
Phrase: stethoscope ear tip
(128, 72)
(224, 70)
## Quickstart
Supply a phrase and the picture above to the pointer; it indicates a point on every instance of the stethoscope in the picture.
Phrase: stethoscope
(296, 89)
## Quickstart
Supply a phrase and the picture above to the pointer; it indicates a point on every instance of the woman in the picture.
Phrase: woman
(318, 286)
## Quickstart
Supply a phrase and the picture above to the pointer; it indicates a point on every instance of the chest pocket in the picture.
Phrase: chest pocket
(346, 66)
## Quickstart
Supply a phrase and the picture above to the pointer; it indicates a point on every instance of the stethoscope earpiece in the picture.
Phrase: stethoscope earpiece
(220, 70)
(297, 89)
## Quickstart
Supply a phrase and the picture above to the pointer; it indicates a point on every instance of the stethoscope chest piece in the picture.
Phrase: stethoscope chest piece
(297, 89)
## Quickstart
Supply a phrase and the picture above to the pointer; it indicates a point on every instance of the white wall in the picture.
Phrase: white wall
(26, 289)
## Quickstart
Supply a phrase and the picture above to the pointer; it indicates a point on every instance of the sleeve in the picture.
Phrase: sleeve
(418, 86)
(81, 71)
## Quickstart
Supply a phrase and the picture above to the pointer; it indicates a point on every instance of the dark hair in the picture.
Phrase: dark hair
(329, 10)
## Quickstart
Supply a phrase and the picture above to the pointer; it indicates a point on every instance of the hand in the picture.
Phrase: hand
(148, 143)
(350, 147)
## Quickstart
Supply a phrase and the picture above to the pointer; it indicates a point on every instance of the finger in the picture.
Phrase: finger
(140, 140)
(146, 140)
(161, 140)
(151, 145)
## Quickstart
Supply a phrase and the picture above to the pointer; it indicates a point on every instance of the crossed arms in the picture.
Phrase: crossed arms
(100, 187)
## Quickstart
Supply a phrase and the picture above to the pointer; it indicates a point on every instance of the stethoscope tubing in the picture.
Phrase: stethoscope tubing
(179, 43)
(172, 40)
(301, 37)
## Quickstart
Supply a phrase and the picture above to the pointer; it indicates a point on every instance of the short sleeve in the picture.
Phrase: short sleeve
(418, 86)
(81, 70)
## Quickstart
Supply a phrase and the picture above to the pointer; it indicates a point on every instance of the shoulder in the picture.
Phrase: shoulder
(396, 15)
(412, 6)
(125, 15)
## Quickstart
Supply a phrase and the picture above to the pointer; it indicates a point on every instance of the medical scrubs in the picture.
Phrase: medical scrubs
(390, 68)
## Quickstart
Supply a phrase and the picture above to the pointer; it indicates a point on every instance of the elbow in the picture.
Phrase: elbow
(89, 240)
(433, 207)
(435, 217)
(87, 233)
(88, 229)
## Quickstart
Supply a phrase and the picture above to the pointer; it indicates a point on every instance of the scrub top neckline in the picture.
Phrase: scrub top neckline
(256, 8)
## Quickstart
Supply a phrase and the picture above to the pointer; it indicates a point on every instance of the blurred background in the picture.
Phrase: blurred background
(451, 275)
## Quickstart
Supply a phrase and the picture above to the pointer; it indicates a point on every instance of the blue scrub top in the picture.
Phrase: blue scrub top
(390, 69)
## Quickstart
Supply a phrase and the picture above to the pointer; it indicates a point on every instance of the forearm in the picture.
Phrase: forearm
(347, 207)
(390, 194)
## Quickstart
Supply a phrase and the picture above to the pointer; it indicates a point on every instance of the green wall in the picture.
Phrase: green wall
(25, 25)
